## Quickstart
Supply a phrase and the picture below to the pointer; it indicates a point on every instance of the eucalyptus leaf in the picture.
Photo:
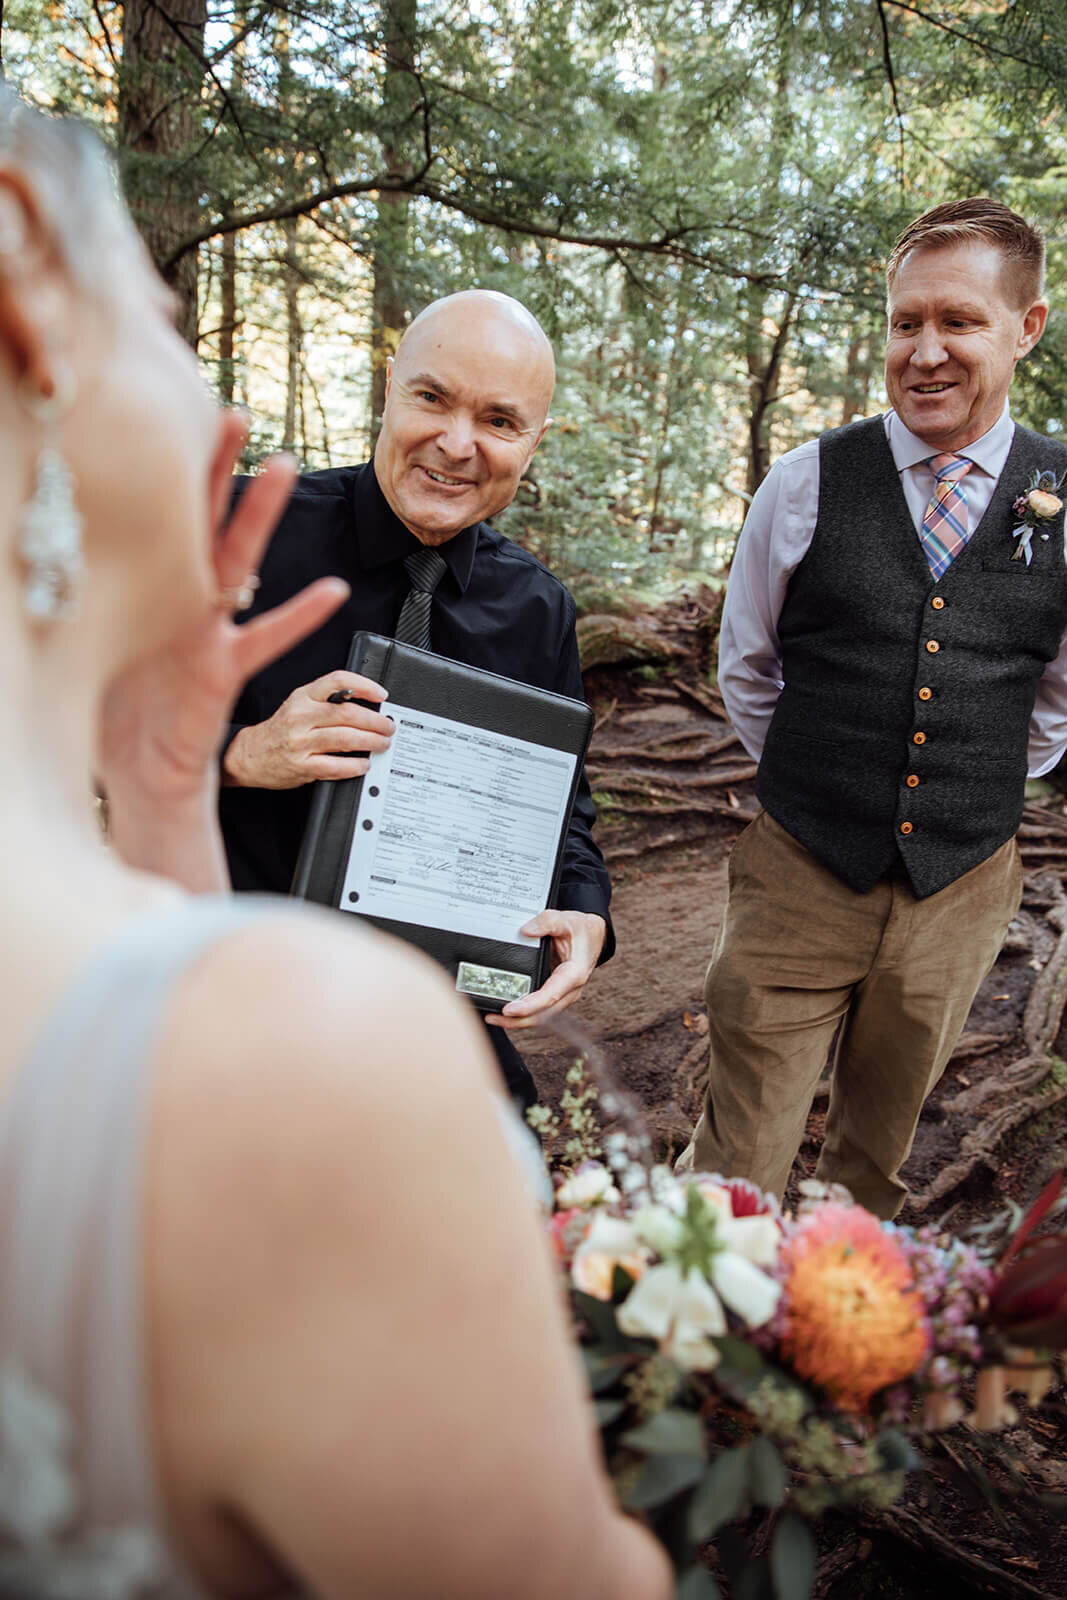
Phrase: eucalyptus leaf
(698, 1584)
(721, 1495)
(793, 1558)
(897, 1452)
(670, 1432)
(743, 1359)
(600, 1315)
(754, 1581)
(606, 1411)
(601, 1370)
(767, 1475)
(661, 1478)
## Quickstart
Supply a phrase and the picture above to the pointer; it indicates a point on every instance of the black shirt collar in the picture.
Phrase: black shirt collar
(381, 537)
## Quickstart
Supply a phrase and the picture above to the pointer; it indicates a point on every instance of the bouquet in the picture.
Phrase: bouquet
(751, 1369)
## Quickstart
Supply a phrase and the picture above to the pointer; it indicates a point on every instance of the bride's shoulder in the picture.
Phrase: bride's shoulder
(298, 1023)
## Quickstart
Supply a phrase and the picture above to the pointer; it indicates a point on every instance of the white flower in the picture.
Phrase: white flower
(610, 1243)
(679, 1313)
(746, 1290)
(591, 1184)
(657, 1227)
(757, 1238)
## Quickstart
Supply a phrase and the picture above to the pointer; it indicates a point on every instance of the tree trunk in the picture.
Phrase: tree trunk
(228, 330)
(857, 379)
(389, 312)
(228, 268)
(158, 123)
(294, 339)
(764, 365)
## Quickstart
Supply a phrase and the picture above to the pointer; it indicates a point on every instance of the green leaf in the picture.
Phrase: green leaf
(698, 1584)
(896, 1451)
(672, 1433)
(601, 1370)
(606, 1411)
(600, 1315)
(767, 1475)
(754, 1581)
(742, 1358)
(793, 1558)
(661, 1478)
(721, 1495)
(741, 1366)
(621, 1284)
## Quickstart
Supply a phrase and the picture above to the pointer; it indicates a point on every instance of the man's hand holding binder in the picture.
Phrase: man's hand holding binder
(577, 940)
(320, 731)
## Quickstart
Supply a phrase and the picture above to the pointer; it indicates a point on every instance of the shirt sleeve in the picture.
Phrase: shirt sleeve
(774, 540)
(584, 884)
(1048, 724)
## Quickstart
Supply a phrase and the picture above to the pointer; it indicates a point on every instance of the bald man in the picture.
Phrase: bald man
(466, 406)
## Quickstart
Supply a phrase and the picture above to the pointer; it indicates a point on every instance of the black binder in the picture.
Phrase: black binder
(490, 972)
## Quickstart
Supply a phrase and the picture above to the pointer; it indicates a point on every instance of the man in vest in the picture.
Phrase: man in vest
(893, 654)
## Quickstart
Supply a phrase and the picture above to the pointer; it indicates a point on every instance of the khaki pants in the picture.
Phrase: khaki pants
(799, 953)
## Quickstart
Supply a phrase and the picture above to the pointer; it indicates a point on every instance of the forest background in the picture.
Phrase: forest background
(694, 196)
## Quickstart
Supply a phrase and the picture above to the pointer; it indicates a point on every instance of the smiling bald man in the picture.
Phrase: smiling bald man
(466, 407)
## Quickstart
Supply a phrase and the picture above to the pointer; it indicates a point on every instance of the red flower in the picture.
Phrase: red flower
(1028, 1300)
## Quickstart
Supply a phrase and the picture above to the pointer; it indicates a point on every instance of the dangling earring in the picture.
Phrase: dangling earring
(50, 527)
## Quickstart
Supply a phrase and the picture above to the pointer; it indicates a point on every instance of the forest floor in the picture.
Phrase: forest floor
(674, 788)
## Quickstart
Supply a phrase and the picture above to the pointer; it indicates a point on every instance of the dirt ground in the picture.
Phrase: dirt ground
(991, 1134)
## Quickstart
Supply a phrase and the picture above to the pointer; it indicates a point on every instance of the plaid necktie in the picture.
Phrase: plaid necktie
(945, 528)
(425, 568)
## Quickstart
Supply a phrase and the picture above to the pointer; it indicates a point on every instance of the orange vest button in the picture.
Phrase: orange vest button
(912, 780)
(933, 646)
(937, 603)
(905, 827)
(925, 693)
(918, 738)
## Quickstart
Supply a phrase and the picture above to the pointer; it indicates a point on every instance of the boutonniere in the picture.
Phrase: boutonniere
(1040, 503)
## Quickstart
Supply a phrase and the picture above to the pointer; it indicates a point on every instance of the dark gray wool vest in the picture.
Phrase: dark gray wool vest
(902, 728)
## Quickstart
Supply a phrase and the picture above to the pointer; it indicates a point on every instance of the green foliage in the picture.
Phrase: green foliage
(696, 200)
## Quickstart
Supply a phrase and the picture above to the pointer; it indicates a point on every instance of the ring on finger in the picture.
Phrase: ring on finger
(238, 596)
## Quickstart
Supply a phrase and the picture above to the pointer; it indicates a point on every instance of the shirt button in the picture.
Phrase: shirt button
(938, 603)
(925, 693)
(933, 646)
(905, 827)
(918, 738)
(912, 780)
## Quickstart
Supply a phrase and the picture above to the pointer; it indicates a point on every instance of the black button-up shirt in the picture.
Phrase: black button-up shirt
(496, 607)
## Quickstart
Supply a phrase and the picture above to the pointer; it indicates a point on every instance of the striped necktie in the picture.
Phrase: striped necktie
(425, 568)
(945, 528)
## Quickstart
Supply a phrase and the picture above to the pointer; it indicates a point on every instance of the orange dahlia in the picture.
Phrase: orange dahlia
(853, 1318)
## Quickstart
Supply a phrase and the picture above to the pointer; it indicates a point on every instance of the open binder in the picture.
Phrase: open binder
(455, 836)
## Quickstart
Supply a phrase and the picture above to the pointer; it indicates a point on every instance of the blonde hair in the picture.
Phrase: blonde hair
(983, 221)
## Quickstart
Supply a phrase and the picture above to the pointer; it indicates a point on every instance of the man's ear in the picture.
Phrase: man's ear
(540, 436)
(1033, 327)
(34, 288)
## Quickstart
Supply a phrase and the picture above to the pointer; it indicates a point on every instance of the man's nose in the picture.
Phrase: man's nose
(456, 438)
(929, 348)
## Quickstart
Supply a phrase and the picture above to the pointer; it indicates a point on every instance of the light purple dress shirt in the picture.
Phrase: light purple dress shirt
(775, 539)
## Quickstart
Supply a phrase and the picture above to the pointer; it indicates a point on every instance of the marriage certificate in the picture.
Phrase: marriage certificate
(457, 828)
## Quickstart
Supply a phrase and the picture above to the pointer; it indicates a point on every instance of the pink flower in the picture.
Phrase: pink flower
(1042, 504)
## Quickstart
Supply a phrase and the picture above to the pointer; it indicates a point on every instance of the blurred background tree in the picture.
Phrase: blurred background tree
(694, 196)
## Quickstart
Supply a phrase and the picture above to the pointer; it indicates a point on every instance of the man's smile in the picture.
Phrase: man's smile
(443, 478)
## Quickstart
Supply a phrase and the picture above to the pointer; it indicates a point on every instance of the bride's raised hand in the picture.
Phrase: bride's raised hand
(163, 718)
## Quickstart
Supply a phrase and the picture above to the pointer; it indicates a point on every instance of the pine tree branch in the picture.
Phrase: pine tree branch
(887, 59)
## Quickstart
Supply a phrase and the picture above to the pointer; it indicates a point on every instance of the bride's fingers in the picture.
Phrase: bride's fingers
(233, 431)
(275, 632)
(244, 536)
